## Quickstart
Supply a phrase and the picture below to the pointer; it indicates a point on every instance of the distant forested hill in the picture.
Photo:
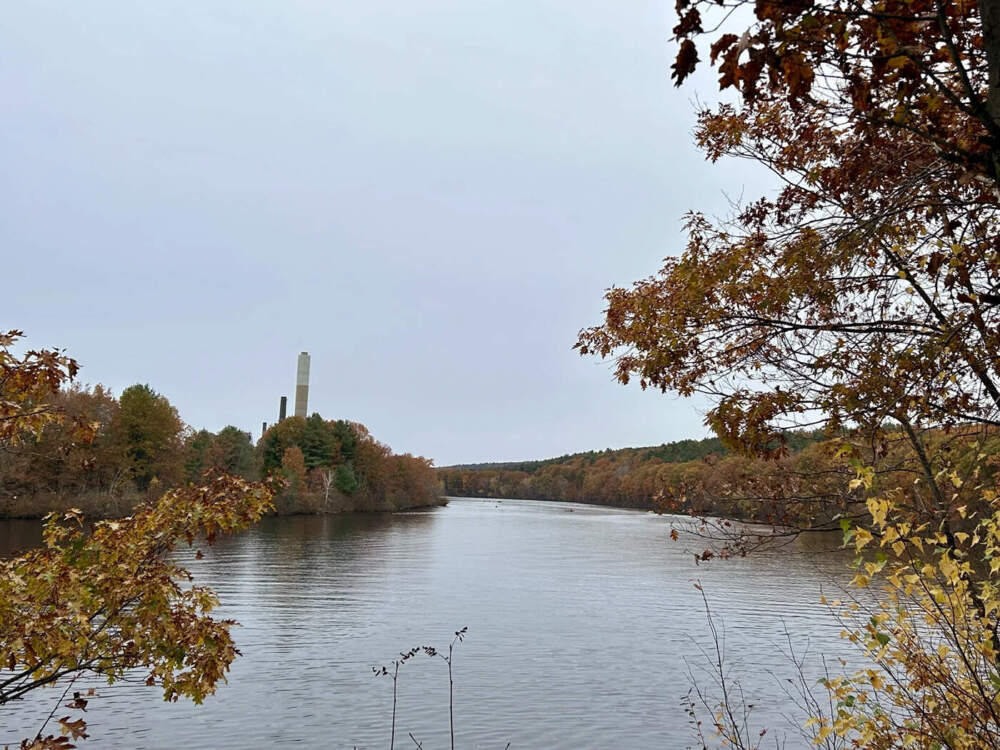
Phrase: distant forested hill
(682, 450)
(627, 477)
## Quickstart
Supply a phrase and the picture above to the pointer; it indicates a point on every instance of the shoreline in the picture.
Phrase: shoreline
(121, 507)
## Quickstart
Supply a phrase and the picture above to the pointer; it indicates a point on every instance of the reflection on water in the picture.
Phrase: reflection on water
(19, 534)
(580, 620)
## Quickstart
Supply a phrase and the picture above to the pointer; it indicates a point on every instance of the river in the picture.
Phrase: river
(583, 622)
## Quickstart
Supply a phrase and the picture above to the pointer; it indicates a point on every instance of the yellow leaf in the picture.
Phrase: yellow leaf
(862, 538)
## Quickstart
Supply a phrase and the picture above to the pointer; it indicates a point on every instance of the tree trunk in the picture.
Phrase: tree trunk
(989, 12)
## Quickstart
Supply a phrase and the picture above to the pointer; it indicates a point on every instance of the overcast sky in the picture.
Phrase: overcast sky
(429, 196)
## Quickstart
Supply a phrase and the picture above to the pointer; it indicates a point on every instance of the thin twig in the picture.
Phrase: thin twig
(58, 703)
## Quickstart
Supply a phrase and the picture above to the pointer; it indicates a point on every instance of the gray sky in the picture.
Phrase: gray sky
(430, 197)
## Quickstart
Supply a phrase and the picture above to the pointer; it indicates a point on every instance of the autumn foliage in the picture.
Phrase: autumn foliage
(106, 454)
(866, 290)
(932, 636)
(332, 465)
(862, 298)
(28, 385)
(806, 487)
(110, 599)
(919, 72)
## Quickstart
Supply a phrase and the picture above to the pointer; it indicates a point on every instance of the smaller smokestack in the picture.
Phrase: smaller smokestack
(263, 429)
(283, 411)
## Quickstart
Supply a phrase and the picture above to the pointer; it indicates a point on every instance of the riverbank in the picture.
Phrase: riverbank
(101, 505)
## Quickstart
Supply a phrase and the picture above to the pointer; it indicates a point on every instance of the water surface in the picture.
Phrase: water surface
(582, 622)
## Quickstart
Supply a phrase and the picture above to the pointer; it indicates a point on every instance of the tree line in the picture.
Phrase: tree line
(681, 450)
(138, 446)
(694, 476)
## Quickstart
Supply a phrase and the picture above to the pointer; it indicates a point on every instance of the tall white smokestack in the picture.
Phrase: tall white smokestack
(302, 386)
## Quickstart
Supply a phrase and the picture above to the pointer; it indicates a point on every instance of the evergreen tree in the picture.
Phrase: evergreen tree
(318, 442)
(147, 430)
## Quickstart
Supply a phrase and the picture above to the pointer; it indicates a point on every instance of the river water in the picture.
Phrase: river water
(583, 623)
